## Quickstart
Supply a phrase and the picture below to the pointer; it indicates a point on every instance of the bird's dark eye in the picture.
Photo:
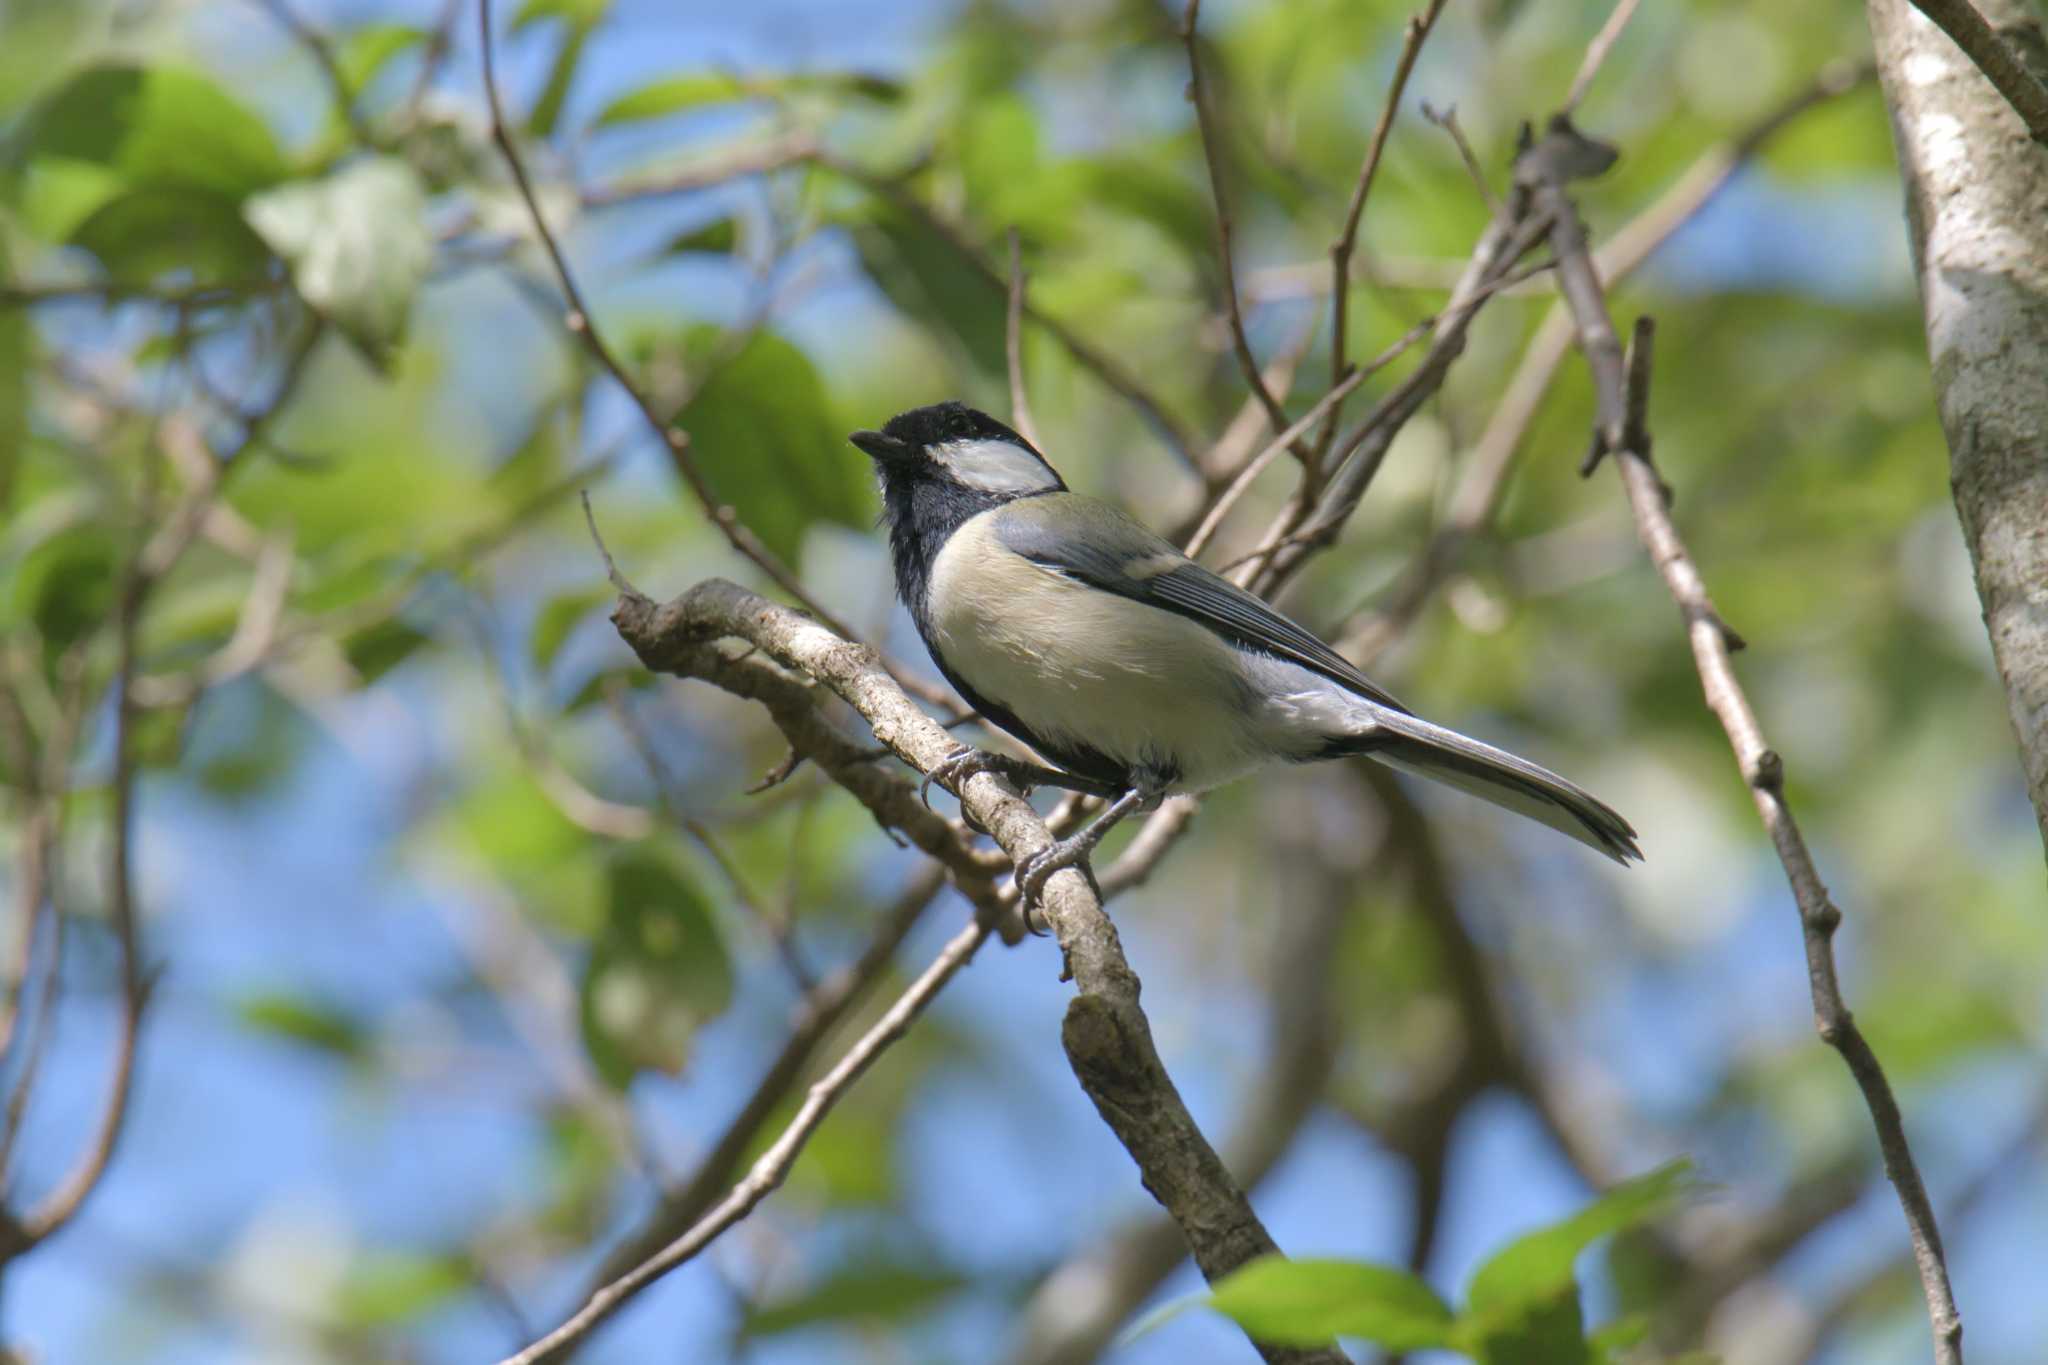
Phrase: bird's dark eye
(960, 424)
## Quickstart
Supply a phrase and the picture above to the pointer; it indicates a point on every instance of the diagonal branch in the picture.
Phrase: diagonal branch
(773, 1166)
(1621, 388)
(1107, 1038)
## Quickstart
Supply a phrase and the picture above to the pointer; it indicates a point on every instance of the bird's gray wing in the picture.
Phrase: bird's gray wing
(1096, 544)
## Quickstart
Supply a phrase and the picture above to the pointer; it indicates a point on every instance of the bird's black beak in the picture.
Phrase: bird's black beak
(881, 446)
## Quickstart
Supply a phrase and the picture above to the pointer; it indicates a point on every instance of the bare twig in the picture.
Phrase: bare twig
(773, 1166)
(579, 321)
(1486, 471)
(1013, 347)
(1413, 37)
(1253, 467)
(1212, 153)
(1596, 53)
(793, 147)
(1447, 119)
(821, 1010)
(322, 52)
(1995, 57)
(1621, 389)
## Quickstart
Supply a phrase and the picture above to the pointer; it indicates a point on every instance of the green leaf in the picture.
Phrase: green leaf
(158, 126)
(140, 234)
(1550, 1331)
(657, 971)
(869, 1288)
(927, 279)
(368, 50)
(358, 246)
(763, 430)
(561, 615)
(317, 1025)
(1303, 1303)
(576, 13)
(66, 584)
(680, 94)
(389, 1287)
(579, 18)
(720, 235)
(1538, 1265)
(376, 649)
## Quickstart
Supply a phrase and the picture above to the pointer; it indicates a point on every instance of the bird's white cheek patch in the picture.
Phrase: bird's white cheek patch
(995, 466)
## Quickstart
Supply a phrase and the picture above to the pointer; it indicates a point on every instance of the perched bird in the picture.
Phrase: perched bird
(1132, 669)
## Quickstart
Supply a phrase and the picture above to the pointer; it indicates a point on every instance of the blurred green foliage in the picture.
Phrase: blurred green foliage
(180, 213)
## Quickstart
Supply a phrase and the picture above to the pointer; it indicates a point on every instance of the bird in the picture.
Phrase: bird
(1131, 669)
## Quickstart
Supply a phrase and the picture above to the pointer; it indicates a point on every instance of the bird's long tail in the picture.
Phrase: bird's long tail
(1413, 745)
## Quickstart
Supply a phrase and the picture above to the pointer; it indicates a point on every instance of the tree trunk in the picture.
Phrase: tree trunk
(1977, 209)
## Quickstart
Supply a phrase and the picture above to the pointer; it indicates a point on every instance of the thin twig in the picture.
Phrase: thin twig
(322, 52)
(1621, 389)
(822, 1008)
(1013, 347)
(1413, 37)
(1212, 153)
(578, 320)
(1995, 57)
(774, 1165)
(1447, 119)
(1486, 471)
(1596, 53)
(1253, 467)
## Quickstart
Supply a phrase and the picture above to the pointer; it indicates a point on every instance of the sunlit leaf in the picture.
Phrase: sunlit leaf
(562, 614)
(680, 94)
(1305, 1302)
(720, 235)
(876, 1288)
(161, 127)
(358, 246)
(388, 1287)
(368, 50)
(299, 1019)
(657, 971)
(763, 431)
(66, 585)
(1538, 1265)
(579, 18)
(143, 233)
(376, 649)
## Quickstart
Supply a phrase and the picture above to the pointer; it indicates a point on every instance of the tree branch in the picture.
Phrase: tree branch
(1212, 154)
(773, 1166)
(1992, 55)
(817, 1014)
(1413, 37)
(1977, 212)
(1108, 1040)
(1621, 389)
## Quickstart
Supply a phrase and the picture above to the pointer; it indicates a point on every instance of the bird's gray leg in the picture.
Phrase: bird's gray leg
(1075, 849)
(953, 771)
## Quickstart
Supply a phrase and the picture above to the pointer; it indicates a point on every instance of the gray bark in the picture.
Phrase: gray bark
(1977, 210)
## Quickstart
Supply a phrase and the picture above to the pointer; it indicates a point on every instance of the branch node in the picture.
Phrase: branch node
(1767, 772)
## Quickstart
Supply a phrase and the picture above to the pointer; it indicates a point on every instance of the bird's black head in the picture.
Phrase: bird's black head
(953, 443)
(940, 466)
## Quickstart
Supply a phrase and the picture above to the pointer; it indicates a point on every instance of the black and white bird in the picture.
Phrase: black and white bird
(1130, 668)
